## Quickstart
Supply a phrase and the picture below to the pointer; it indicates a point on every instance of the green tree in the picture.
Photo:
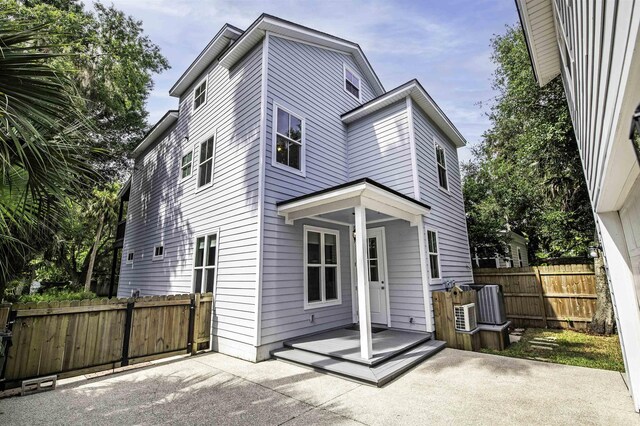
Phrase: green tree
(527, 172)
(42, 158)
(112, 63)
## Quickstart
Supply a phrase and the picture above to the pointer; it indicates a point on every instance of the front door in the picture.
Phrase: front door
(378, 288)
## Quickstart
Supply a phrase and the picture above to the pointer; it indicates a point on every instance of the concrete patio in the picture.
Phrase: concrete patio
(451, 387)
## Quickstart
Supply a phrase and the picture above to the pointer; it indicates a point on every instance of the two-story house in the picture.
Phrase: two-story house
(594, 46)
(300, 192)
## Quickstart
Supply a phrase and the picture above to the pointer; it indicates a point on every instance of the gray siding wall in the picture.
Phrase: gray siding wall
(447, 207)
(164, 208)
(405, 280)
(378, 148)
(307, 80)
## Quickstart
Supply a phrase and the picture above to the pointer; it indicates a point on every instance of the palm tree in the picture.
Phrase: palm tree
(41, 125)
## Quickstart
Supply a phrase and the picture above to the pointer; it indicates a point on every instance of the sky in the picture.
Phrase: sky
(445, 44)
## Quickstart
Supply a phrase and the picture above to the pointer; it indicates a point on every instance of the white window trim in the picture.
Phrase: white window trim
(196, 170)
(191, 150)
(321, 304)
(303, 139)
(215, 231)
(437, 145)
(439, 253)
(520, 262)
(205, 79)
(133, 255)
(346, 68)
(159, 257)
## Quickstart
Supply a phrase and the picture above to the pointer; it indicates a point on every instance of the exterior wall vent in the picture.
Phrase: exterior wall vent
(465, 316)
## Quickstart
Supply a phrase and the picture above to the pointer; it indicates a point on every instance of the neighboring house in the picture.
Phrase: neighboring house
(515, 254)
(595, 47)
(285, 147)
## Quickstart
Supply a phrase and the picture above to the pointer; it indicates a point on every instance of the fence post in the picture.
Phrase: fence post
(541, 295)
(192, 346)
(128, 322)
(11, 319)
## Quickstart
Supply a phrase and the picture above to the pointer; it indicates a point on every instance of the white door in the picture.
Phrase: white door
(377, 267)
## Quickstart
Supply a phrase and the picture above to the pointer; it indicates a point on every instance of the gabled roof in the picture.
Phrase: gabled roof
(167, 121)
(420, 96)
(227, 34)
(536, 18)
(256, 32)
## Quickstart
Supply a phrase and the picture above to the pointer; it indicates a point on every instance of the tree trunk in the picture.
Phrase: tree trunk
(603, 321)
(93, 254)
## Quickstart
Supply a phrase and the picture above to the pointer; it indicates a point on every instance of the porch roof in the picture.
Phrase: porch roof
(362, 192)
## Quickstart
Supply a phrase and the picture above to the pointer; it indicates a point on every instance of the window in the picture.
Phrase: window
(442, 167)
(351, 83)
(434, 254)
(200, 95)
(205, 169)
(520, 258)
(204, 267)
(158, 252)
(322, 267)
(289, 139)
(187, 159)
(130, 257)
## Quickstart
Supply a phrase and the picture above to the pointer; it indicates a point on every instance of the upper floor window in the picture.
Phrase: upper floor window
(186, 164)
(200, 95)
(289, 139)
(351, 83)
(322, 267)
(434, 254)
(520, 262)
(205, 168)
(442, 167)
(130, 257)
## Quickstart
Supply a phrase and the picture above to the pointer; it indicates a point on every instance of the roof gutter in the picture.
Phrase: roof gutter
(167, 120)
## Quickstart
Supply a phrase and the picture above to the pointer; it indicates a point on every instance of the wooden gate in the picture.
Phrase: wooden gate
(77, 337)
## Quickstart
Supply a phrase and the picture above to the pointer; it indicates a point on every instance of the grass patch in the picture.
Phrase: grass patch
(574, 348)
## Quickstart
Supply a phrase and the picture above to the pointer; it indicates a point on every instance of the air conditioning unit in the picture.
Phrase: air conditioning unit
(490, 304)
(465, 317)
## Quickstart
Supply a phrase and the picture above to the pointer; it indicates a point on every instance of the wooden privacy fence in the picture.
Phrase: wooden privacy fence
(558, 296)
(77, 337)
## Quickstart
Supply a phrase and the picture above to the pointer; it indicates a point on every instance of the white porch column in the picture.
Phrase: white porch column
(364, 307)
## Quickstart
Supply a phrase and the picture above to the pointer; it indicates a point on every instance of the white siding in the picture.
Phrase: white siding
(447, 207)
(405, 280)
(162, 208)
(307, 80)
(379, 148)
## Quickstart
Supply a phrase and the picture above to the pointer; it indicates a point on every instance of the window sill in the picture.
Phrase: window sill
(203, 187)
(446, 191)
(317, 305)
(292, 170)
(156, 259)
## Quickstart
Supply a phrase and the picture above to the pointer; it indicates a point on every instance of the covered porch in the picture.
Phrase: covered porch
(386, 216)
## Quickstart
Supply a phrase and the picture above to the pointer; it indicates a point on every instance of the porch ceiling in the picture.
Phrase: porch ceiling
(367, 193)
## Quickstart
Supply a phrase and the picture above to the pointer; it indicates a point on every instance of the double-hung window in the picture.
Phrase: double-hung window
(351, 83)
(186, 164)
(322, 267)
(442, 167)
(289, 139)
(434, 254)
(200, 95)
(130, 256)
(205, 168)
(520, 263)
(204, 267)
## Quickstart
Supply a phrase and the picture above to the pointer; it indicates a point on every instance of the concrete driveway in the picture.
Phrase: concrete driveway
(452, 387)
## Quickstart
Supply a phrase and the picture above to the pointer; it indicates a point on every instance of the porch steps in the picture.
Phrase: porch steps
(377, 375)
